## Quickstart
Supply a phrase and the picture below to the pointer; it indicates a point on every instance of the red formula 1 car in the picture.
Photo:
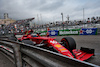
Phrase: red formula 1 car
(67, 46)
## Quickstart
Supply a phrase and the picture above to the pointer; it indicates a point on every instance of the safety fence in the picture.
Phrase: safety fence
(25, 55)
(66, 26)
(83, 31)
(98, 31)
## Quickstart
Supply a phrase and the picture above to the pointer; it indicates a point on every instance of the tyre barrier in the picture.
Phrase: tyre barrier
(25, 55)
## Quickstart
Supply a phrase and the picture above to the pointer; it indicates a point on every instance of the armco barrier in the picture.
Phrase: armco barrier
(69, 32)
(12, 50)
(88, 31)
(25, 55)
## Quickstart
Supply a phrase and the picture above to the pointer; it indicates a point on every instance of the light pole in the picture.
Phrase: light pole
(83, 18)
(83, 14)
(67, 20)
(37, 19)
(62, 16)
(62, 20)
(41, 22)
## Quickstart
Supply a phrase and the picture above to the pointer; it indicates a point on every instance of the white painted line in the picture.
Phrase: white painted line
(6, 48)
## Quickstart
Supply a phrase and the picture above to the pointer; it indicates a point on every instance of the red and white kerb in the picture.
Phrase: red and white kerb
(6, 48)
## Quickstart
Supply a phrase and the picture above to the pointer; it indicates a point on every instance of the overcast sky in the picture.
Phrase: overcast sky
(49, 10)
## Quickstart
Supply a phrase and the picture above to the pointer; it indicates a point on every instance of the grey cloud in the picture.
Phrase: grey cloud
(52, 6)
(89, 4)
(34, 4)
(92, 4)
(21, 9)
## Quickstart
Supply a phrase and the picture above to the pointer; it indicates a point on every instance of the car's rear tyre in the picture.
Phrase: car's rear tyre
(28, 42)
(69, 43)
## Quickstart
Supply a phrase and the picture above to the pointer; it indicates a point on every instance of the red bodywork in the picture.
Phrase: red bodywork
(78, 54)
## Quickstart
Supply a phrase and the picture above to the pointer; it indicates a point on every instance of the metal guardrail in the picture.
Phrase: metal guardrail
(25, 55)
(13, 49)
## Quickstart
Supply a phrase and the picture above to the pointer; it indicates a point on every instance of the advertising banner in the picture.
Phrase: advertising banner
(88, 31)
(53, 32)
(43, 33)
(69, 32)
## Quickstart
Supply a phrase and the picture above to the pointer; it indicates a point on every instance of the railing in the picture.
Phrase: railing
(25, 55)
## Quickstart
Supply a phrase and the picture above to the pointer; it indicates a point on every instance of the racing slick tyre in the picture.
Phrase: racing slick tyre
(69, 43)
(28, 42)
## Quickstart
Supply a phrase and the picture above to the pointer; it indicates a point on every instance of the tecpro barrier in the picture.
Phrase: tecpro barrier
(88, 31)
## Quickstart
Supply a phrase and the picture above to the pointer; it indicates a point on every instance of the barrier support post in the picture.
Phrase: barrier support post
(17, 55)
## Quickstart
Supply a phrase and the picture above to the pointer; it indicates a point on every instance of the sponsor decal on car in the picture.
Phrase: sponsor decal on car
(54, 42)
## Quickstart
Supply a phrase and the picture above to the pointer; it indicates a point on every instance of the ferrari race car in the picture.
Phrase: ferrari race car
(67, 46)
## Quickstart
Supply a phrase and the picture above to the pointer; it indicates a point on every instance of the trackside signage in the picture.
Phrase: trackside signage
(53, 32)
(88, 31)
(43, 33)
(69, 32)
(83, 31)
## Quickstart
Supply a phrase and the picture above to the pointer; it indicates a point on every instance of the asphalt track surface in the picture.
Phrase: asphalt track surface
(5, 62)
(89, 41)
